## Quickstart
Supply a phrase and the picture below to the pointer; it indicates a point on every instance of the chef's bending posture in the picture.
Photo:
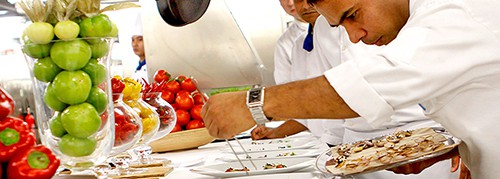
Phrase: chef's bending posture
(442, 54)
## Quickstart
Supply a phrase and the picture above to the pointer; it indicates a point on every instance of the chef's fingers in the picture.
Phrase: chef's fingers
(464, 172)
(455, 163)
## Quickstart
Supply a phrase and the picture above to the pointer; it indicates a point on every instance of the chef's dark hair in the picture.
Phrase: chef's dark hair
(313, 1)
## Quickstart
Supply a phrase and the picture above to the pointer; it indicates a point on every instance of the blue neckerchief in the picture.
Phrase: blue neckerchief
(140, 65)
(308, 42)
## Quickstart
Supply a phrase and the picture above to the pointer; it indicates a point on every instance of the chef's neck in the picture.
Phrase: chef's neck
(142, 58)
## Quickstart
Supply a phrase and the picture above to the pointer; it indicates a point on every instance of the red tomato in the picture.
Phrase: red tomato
(182, 117)
(162, 75)
(174, 106)
(188, 84)
(196, 112)
(177, 127)
(183, 92)
(184, 101)
(198, 99)
(195, 124)
(180, 78)
(168, 96)
(173, 86)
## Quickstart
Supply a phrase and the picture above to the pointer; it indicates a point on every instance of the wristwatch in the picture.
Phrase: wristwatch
(255, 101)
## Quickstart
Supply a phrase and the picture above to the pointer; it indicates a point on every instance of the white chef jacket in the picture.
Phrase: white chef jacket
(329, 131)
(447, 58)
(283, 51)
(335, 48)
(283, 73)
(138, 75)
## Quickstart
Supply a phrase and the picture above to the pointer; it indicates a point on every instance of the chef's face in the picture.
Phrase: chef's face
(371, 21)
(138, 45)
(306, 11)
(289, 7)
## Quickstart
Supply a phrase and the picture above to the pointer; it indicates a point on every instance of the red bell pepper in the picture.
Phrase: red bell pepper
(14, 136)
(37, 162)
(6, 104)
(117, 85)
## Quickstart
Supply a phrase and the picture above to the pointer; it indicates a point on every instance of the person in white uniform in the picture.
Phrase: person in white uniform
(327, 131)
(442, 54)
(334, 48)
(283, 49)
(140, 71)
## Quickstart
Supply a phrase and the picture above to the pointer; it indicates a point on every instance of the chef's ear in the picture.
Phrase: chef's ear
(181, 12)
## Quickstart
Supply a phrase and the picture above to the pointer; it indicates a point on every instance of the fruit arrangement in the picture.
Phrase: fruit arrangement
(132, 97)
(20, 156)
(183, 94)
(66, 48)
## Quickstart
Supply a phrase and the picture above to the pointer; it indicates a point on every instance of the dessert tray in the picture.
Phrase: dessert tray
(384, 152)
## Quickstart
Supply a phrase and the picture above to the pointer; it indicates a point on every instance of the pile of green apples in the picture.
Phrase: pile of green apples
(67, 57)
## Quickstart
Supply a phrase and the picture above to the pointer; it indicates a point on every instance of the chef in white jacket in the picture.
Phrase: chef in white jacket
(442, 54)
(333, 48)
(283, 50)
(140, 71)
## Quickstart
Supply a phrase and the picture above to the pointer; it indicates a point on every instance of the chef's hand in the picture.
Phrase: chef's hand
(464, 171)
(262, 132)
(226, 114)
(417, 167)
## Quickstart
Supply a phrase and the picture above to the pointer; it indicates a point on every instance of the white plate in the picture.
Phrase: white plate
(268, 141)
(218, 170)
(274, 154)
(300, 144)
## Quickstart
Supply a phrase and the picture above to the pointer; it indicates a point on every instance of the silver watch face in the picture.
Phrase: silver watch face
(254, 96)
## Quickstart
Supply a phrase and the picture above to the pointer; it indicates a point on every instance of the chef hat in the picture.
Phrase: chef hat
(138, 26)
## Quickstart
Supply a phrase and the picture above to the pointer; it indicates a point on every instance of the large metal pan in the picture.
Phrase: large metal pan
(182, 12)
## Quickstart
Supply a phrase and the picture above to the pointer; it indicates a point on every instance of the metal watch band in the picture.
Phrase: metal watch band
(255, 101)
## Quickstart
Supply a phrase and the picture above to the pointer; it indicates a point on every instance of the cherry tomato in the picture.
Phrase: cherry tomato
(180, 78)
(177, 127)
(183, 92)
(198, 98)
(184, 101)
(195, 124)
(189, 85)
(161, 75)
(195, 112)
(172, 86)
(182, 117)
(168, 96)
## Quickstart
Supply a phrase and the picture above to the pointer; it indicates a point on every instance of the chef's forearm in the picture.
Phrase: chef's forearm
(306, 99)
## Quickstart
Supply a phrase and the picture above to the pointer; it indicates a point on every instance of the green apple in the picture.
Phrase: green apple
(37, 50)
(77, 147)
(72, 87)
(71, 55)
(81, 120)
(50, 99)
(114, 30)
(96, 71)
(40, 32)
(45, 70)
(66, 30)
(98, 99)
(55, 125)
(99, 49)
(97, 26)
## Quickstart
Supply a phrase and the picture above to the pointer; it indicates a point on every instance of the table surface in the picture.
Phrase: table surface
(209, 154)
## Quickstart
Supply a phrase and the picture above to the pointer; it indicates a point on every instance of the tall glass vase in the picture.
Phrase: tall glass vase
(74, 106)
